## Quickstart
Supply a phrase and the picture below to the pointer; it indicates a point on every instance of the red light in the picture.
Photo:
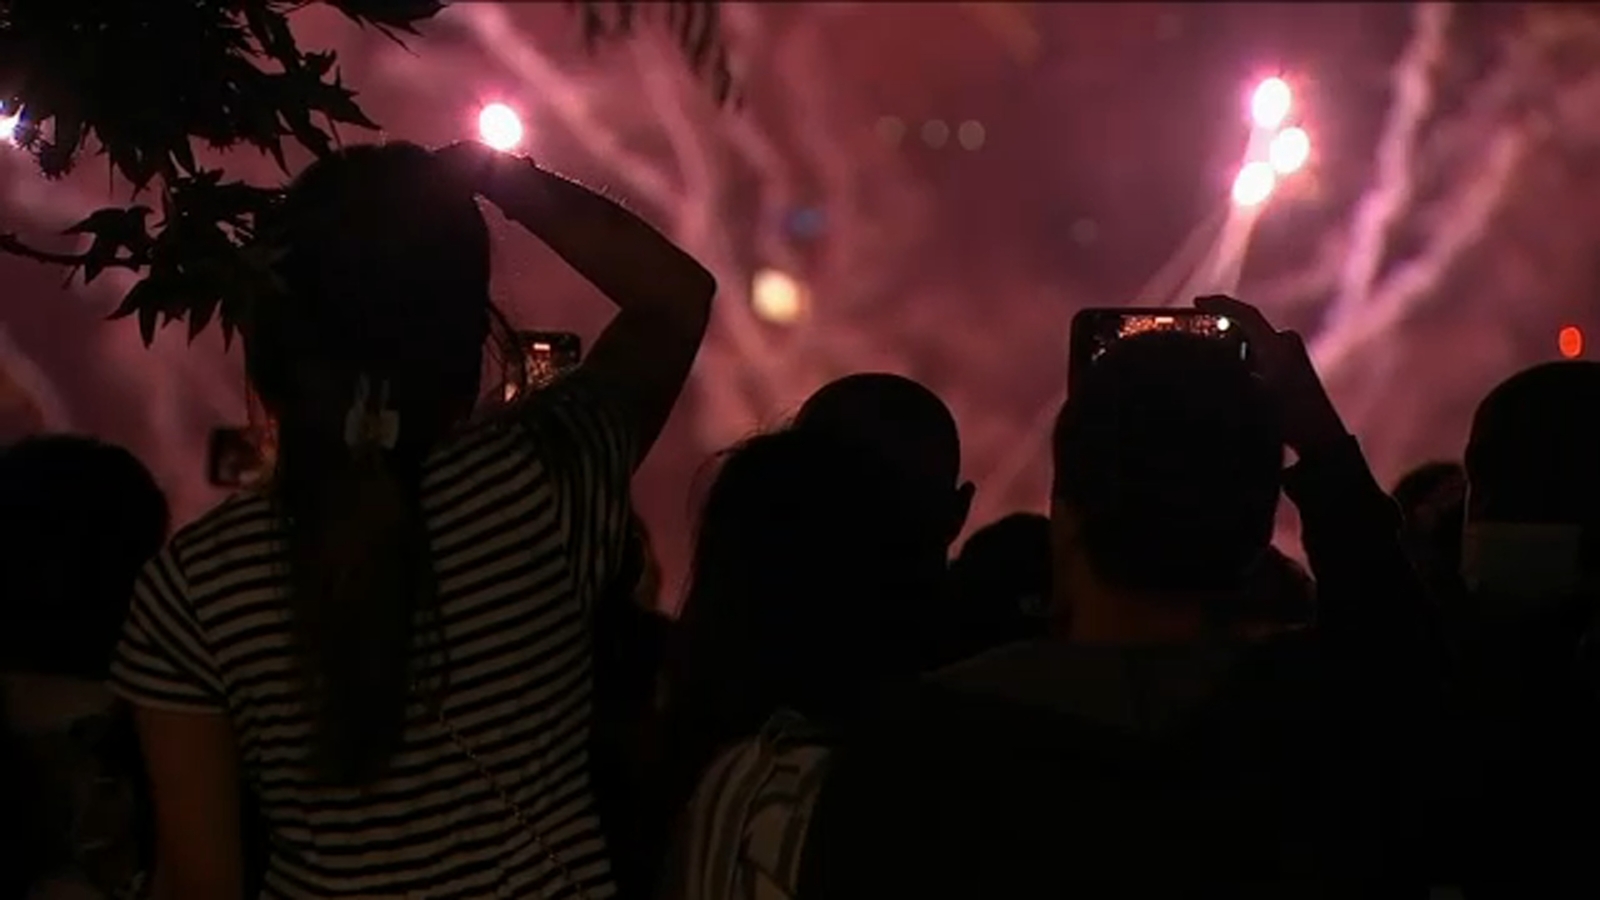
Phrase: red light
(1570, 342)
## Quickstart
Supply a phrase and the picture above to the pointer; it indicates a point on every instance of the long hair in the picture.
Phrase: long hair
(385, 278)
(811, 571)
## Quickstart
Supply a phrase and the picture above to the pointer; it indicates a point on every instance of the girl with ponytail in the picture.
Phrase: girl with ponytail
(390, 639)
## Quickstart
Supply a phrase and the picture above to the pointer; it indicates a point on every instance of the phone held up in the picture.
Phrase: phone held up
(240, 457)
(236, 457)
(1094, 331)
(546, 356)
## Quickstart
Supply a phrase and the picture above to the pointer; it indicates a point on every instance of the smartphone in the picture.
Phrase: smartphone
(1095, 330)
(234, 458)
(546, 356)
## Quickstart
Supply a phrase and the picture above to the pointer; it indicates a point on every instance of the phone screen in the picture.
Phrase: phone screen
(546, 356)
(235, 458)
(1094, 331)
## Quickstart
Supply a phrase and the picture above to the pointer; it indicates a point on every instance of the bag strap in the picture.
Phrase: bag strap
(512, 806)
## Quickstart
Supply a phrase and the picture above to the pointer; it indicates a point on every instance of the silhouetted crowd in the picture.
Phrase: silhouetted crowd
(425, 656)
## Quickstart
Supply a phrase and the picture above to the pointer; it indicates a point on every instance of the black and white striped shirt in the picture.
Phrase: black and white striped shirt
(524, 537)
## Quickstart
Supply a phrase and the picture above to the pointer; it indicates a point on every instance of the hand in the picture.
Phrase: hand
(1308, 415)
(472, 162)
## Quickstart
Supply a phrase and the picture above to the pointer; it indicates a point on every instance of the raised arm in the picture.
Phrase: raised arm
(663, 295)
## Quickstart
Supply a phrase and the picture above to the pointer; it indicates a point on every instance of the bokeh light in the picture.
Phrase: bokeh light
(777, 297)
(1270, 103)
(1289, 150)
(972, 135)
(891, 129)
(1570, 342)
(500, 127)
(1254, 184)
(935, 133)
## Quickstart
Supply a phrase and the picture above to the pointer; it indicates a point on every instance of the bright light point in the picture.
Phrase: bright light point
(1269, 105)
(1570, 342)
(1223, 324)
(1254, 184)
(1289, 150)
(777, 297)
(499, 126)
(8, 126)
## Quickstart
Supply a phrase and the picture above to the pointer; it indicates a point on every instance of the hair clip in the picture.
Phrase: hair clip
(364, 425)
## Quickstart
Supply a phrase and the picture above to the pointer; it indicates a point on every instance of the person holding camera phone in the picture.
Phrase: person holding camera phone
(1155, 748)
(390, 640)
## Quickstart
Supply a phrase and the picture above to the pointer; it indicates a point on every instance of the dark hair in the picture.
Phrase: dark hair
(895, 416)
(1421, 486)
(1002, 580)
(385, 274)
(1171, 454)
(78, 519)
(809, 573)
(1432, 501)
(1535, 445)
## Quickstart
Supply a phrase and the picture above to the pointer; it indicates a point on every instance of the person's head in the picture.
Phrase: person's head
(1432, 500)
(78, 519)
(909, 426)
(1002, 580)
(808, 580)
(383, 261)
(1533, 472)
(382, 303)
(1168, 464)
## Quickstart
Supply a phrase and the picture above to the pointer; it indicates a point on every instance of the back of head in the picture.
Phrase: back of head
(807, 572)
(1535, 442)
(1533, 468)
(1170, 457)
(1432, 501)
(78, 519)
(1002, 579)
(1427, 484)
(384, 264)
(383, 303)
(895, 416)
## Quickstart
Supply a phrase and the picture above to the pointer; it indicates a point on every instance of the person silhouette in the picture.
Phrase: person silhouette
(391, 636)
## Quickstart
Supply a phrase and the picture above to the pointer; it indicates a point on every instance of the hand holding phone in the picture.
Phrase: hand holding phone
(1094, 331)
(546, 356)
(1281, 359)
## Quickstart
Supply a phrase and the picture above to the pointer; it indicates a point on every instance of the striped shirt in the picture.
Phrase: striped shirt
(746, 824)
(527, 516)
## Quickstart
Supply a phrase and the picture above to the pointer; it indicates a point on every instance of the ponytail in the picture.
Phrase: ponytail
(360, 582)
(381, 270)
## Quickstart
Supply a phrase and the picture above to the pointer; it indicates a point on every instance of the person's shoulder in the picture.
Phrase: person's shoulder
(242, 520)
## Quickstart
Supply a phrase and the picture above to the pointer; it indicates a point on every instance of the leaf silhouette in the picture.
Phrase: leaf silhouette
(144, 79)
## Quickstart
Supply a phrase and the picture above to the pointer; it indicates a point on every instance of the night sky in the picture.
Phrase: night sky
(1442, 234)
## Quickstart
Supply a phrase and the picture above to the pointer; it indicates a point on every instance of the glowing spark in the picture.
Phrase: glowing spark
(1270, 103)
(1570, 342)
(8, 126)
(1254, 184)
(1289, 150)
(500, 127)
(777, 297)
